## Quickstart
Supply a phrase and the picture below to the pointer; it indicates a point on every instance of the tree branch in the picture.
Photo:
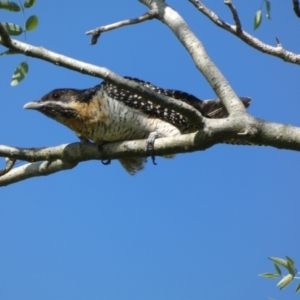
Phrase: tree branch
(9, 164)
(239, 130)
(234, 15)
(195, 48)
(33, 170)
(246, 37)
(72, 154)
(97, 32)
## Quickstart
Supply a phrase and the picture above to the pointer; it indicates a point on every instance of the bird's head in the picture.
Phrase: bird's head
(63, 104)
(58, 104)
(73, 108)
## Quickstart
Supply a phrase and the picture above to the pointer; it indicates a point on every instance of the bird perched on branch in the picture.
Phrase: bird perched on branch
(107, 113)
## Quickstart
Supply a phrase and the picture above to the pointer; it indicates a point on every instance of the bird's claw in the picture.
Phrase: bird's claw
(150, 145)
(106, 162)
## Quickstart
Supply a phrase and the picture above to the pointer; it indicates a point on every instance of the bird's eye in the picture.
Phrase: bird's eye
(56, 96)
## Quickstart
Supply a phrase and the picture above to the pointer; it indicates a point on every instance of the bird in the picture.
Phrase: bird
(108, 113)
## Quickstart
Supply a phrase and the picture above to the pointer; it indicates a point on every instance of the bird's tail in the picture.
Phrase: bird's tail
(214, 109)
(133, 165)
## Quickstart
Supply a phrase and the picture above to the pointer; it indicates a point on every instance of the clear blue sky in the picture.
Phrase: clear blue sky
(200, 226)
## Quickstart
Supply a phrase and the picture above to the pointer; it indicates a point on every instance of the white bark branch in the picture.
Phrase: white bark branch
(277, 51)
(9, 164)
(33, 170)
(45, 161)
(195, 48)
(234, 15)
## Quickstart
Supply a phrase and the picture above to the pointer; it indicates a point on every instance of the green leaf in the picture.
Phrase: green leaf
(290, 268)
(19, 74)
(277, 269)
(10, 6)
(29, 3)
(268, 9)
(9, 52)
(32, 23)
(269, 275)
(257, 19)
(279, 261)
(298, 288)
(285, 281)
(290, 260)
(12, 29)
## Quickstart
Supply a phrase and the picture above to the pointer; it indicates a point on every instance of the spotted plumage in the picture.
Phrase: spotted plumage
(148, 107)
(107, 113)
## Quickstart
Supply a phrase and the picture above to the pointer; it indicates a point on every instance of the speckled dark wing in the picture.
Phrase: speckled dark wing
(209, 109)
(147, 106)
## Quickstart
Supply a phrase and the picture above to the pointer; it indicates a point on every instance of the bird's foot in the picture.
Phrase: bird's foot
(99, 146)
(84, 140)
(150, 144)
(105, 162)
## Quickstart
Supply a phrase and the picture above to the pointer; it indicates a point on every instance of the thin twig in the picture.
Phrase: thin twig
(279, 52)
(235, 15)
(278, 42)
(9, 163)
(211, 15)
(296, 8)
(97, 32)
(33, 170)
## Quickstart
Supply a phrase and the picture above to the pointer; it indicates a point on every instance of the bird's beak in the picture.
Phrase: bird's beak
(33, 105)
